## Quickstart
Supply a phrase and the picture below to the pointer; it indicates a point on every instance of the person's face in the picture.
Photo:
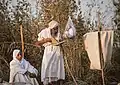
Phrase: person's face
(54, 31)
(19, 56)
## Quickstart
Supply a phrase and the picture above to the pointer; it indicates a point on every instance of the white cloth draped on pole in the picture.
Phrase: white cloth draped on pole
(92, 47)
(70, 30)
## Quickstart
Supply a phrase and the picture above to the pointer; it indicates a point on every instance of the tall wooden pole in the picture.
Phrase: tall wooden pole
(22, 41)
(100, 49)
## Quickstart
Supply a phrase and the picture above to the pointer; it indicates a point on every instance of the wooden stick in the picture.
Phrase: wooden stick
(80, 65)
(21, 33)
(68, 67)
(100, 49)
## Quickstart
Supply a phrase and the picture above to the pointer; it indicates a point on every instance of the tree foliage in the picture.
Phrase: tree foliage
(74, 53)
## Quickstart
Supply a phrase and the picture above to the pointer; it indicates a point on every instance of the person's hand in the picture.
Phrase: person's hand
(48, 40)
(27, 73)
(54, 41)
(37, 43)
(32, 75)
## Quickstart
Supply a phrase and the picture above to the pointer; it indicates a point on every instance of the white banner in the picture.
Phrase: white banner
(70, 30)
(92, 47)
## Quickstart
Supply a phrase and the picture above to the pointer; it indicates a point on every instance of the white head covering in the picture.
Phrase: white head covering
(53, 24)
(15, 53)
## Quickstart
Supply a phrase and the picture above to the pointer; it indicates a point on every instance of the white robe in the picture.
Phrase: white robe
(52, 63)
(18, 70)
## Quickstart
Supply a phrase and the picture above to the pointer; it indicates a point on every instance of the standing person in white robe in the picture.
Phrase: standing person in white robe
(52, 63)
(21, 71)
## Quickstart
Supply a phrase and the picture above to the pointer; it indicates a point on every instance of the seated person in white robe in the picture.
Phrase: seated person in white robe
(21, 71)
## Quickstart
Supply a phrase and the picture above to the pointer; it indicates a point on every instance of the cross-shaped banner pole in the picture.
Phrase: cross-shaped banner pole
(100, 48)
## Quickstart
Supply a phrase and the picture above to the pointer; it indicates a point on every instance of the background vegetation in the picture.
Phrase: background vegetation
(74, 53)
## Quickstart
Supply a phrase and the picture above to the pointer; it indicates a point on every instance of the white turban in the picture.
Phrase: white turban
(53, 24)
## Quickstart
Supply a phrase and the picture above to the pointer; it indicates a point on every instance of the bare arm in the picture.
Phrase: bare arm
(44, 40)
